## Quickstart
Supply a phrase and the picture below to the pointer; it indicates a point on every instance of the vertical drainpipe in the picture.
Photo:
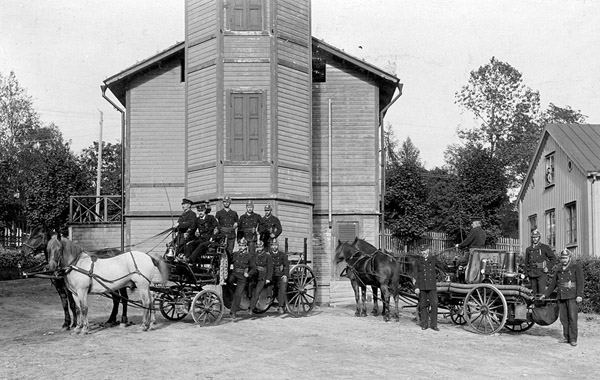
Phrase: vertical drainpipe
(103, 88)
(382, 137)
(329, 147)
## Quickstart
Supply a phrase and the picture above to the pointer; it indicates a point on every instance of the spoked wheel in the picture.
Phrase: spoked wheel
(519, 325)
(207, 308)
(485, 309)
(301, 291)
(457, 314)
(173, 305)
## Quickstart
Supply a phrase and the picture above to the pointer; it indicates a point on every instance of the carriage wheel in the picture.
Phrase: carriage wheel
(301, 291)
(457, 314)
(519, 325)
(207, 308)
(173, 305)
(485, 309)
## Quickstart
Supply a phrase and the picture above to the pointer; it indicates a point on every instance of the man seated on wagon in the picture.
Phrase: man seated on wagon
(185, 221)
(244, 266)
(264, 272)
(281, 272)
(203, 229)
(475, 239)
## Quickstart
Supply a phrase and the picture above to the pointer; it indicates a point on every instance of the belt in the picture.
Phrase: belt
(540, 265)
(568, 284)
(261, 269)
(239, 270)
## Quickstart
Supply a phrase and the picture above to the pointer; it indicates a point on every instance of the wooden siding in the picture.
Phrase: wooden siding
(293, 20)
(202, 54)
(296, 221)
(155, 198)
(247, 179)
(569, 186)
(95, 237)
(246, 47)
(289, 52)
(201, 108)
(201, 19)
(294, 182)
(142, 229)
(202, 182)
(156, 134)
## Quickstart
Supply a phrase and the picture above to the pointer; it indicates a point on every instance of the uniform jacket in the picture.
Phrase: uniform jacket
(248, 225)
(204, 227)
(426, 279)
(281, 264)
(270, 225)
(568, 282)
(186, 221)
(226, 219)
(475, 239)
(536, 258)
(264, 265)
(243, 262)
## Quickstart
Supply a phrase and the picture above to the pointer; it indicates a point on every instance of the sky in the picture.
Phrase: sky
(61, 51)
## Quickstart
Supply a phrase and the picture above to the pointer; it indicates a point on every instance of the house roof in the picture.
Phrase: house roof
(118, 83)
(580, 141)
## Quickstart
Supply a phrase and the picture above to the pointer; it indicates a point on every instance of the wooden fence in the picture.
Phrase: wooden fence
(438, 241)
(13, 236)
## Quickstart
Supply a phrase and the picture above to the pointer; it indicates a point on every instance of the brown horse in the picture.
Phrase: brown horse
(38, 241)
(376, 269)
(86, 273)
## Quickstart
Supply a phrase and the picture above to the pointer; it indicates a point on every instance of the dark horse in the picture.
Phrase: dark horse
(376, 269)
(38, 241)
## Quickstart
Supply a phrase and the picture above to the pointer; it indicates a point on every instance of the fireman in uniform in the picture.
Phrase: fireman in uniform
(203, 229)
(568, 283)
(539, 259)
(248, 226)
(264, 271)
(184, 222)
(281, 272)
(244, 267)
(426, 288)
(228, 221)
(270, 227)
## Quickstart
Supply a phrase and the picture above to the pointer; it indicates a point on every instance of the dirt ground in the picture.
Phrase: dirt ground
(329, 344)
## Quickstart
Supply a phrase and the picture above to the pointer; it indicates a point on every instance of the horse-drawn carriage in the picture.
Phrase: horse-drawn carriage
(488, 294)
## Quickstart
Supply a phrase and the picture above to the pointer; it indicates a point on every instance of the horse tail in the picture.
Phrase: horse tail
(162, 266)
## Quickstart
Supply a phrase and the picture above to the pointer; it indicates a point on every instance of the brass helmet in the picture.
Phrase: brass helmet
(260, 245)
(242, 243)
(535, 233)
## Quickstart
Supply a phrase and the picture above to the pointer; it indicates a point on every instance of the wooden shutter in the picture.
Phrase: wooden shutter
(246, 127)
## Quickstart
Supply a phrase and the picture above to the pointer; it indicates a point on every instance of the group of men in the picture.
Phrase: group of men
(540, 260)
(258, 259)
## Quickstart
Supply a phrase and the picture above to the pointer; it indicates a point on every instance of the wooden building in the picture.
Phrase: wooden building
(253, 107)
(561, 192)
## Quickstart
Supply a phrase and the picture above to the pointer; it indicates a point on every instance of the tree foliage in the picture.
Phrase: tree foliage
(406, 194)
(111, 167)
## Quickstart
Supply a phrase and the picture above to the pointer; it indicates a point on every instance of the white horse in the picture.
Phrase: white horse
(87, 273)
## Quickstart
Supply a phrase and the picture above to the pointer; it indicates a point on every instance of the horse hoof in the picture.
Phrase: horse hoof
(374, 312)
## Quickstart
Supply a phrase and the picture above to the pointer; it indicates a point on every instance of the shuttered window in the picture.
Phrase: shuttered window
(246, 15)
(571, 210)
(246, 125)
(551, 228)
(347, 231)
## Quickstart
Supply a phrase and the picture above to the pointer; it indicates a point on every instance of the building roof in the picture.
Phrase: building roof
(580, 141)
(118, 83)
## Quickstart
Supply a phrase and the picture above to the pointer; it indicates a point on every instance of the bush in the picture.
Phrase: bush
(591, 285)
(12, 258)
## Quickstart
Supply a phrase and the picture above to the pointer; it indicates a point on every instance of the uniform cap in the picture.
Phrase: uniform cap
(249, 203)
(227, 198)
(535, 233)
(268, 207)
(185, 200)
(201, 207)
(565, 253)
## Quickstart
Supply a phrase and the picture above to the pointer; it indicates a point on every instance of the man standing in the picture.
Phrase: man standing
(248, 226)
(244, 267)
(228, 220)
(270, 227)
(426, 288)
(281, 272)
(568, 282)
(538, 259)
(186, 221)
(264, 270)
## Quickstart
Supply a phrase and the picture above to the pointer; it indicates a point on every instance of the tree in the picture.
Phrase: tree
(508, 113)
(111, 167)
(406, 195)
(555, 114)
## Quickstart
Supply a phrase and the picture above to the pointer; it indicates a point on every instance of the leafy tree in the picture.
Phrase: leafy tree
(406, 195)
(111, 167)
(555, 114)
(508, 113)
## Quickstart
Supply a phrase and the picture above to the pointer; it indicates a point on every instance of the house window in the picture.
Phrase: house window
(571, 209)
(246, 125)
(549, 173)
(347, 231)
(532, 224)
(319, 70)
(246, 15)
(551, 228)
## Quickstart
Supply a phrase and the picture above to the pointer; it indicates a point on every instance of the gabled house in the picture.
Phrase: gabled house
(561, 192)
(252, 106)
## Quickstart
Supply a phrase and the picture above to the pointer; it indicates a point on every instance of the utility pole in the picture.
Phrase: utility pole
(99, 171)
